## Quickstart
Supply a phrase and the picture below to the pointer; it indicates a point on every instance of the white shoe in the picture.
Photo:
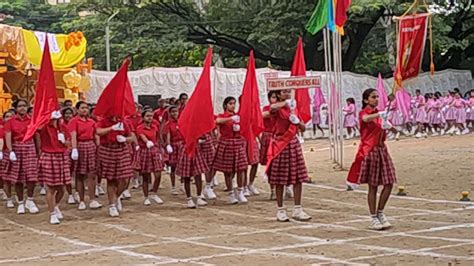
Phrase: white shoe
(156, 199)
(43, 191)
(451, 130)
(383, 220)
(53, 219)
(101, 190)
(435, 134)
(443, 132)
(201, 202)
(174, 191)
(97, 191)
(21, 208)
(10, 204)
(94, 204)
(71, 200)
(190, 204)
(289, 192)
(425, 135)
(405, 132)
(465, 131)
(113, 212)
(31, 206)
(397, 136)
(76, 197)
(375, 224)
(126, 194)
(282, 216)
(215, 181)
(391, 136)
(147, 202)
(458, 132)
(135, 183)
(209, 193)
(418, 135)
(246, 192)
(82, 206)
(3, 195)
(300, 215)
(232, 198)
(253, 190)
(241, 197)
(433, 130)
(119, 204)
(58, 213)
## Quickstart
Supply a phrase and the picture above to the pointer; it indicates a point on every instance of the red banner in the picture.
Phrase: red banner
(410, 46)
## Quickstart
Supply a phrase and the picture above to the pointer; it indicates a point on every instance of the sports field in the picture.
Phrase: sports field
(431, 227)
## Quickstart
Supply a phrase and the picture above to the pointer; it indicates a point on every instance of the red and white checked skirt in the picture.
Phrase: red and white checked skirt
(174, 157)
(87, 161)
(231, 156)
(189, 167)
(255, 157)
(264, 144)
(208, 150)
(25, 168)
(4, 166)
(377, 168)
(115, 162)
(54, 169)
(289, 167)
(148, 160)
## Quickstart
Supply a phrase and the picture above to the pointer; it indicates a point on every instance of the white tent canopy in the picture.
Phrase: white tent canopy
(170, 82)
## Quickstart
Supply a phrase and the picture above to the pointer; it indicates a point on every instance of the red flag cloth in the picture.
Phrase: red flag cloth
(197, 118)
(410, 46)
(342, 6)
(117, 98)
(251, 119)
(46, 100)
(383, 98)
(303, 101)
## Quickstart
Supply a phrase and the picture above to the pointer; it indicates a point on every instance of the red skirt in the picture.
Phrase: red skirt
(86, 164)
(264, 144)
(4, 166)
(231, 156)
(54, 169)
(189, 167)
(255, 158)
(148, 160)
(377, 168)
(115, 162)
(25, 168)
(288, 168)
(174, 157)
(208, 150)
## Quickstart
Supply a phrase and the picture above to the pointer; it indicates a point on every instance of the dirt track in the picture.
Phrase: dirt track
(430, 225)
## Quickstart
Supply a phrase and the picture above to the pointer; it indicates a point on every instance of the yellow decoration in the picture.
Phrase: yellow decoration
(5, 99)
(69, 95)
(72, 79)
(66, 58)
(85, 85)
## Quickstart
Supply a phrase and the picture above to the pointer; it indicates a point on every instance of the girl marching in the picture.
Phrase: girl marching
(174, 143)
(67, 115)
(266, 137)
(373, 164)
(420, 116)
(5, 191)
(350, 121)
(149, 159)
(83, 154)
(208, 151)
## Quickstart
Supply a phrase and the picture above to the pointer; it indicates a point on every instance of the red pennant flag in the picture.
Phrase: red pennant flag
(117, 98)
(251, 119)
(342, 6)
(46, 100)
(197, 118)
(303, 101)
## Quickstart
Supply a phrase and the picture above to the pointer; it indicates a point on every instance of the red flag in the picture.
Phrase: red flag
(46, 100)
(251, 120)
(117, 98)
(303, 101)
(341, 12)
(197, 118)
(410, 46)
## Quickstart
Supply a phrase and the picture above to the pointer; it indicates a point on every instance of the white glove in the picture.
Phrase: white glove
(149, 144)
(118, 127)
(344, 112)
(201, 141)
(386, 124)
(137, 148)
(438, 116)
(382, 114)
(235, 118)
(121, 139)
(444, 109)
(169, 149)
(74, 154)
(61, 138)
(468, 110)
(291, 103)
(12, 156)
(1, 155)
(236, 127)
(294, 119)
(56, 115)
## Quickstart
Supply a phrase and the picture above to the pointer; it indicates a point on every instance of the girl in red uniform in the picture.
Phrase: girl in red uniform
(231, 155)
(266, 136)
(208, 151)
(83, 154)
(288, 167)
(23, 167)
(174, 143)
(115, 160)
(373, 165)
(253, 160)
(7, 192)
(149, 159)
(53, 163)
(67, 115)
